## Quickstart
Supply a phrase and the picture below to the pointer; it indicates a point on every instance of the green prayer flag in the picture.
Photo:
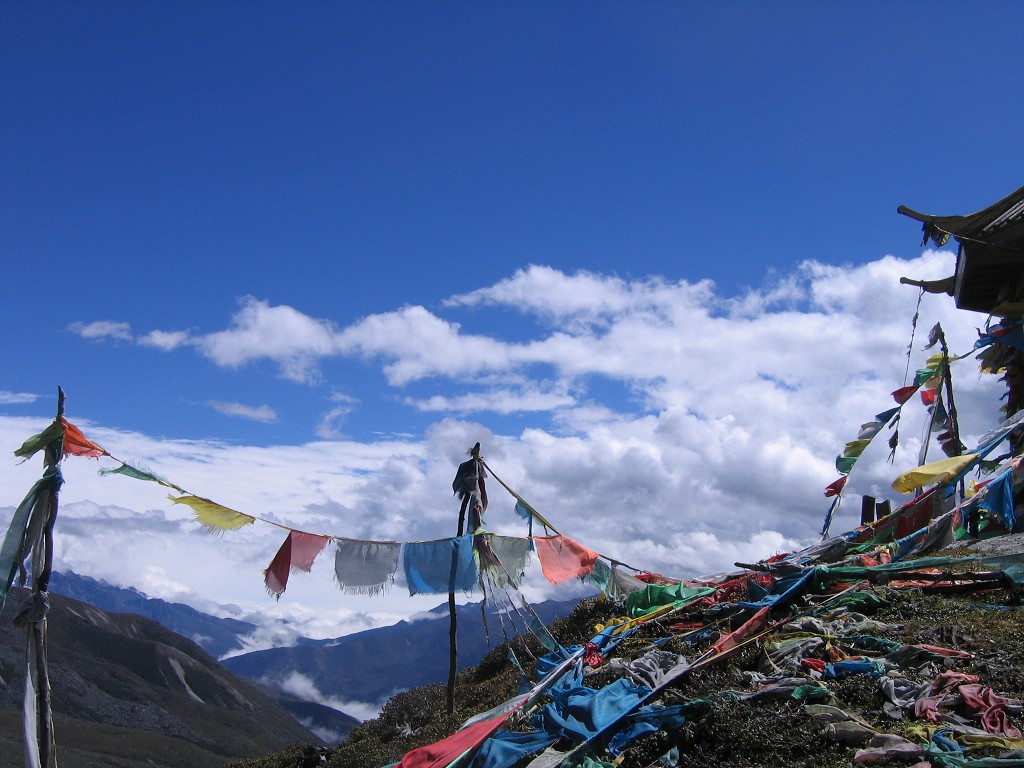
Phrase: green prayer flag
(37, 442)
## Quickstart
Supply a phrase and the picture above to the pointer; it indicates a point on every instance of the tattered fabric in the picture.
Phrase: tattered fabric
(653, 596)
(13, 551)
(998, 500)
(513, 555)
(562, 559)
(212, 515)
(614, 584)
(935, 472)
(439, 567)
(138, 473)
(36, 443)
(506, 748)
(444, 752)
(855, 448)
(298, 551)
(77, 444)
(580, 713)
(365, 567)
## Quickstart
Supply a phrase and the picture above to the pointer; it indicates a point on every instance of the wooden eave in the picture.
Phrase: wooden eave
(990, 261)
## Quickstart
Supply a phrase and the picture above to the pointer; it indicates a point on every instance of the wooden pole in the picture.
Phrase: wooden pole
(42, 565)
(469, 502)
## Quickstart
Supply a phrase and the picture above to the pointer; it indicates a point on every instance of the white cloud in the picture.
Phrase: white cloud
(261, 413)
(525, 397)
(305, 687)
(282, 334)
(669, 427)
(17, 398)
(329, 426)
(102, 329)
(165, 341)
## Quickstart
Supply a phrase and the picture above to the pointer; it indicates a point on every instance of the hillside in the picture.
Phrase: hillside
(217, 636)
(128, 692)
(865, 675)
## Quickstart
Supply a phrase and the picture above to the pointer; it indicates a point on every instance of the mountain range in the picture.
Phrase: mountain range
(315, 679)
(128, 692)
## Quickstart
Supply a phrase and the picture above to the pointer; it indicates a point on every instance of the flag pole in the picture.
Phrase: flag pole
(469, 487)
(42, 742)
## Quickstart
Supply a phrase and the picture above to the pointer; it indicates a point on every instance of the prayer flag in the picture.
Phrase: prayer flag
(855, 448)
(77, 444)
(844, 464)
(513, 554)
(439, 567)
(139, 473)
(211, 515)
(903, 394)
(562, 559)
(935, 472)
(298, 551)
(365, 567)
(37, 442)
(836, 487)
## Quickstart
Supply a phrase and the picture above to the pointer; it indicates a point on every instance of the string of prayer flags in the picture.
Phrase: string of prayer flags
(298, 551)
(75, 443)
(562, 559)
(871, 428)
(369, 567)
(854, 448)
(365, 567)
(213, 516)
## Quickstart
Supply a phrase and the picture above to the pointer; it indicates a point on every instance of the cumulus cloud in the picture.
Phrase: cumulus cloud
(261, 413)
(282, 334)
(666, 425)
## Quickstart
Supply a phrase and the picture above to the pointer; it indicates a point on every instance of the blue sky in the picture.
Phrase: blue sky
(644, 251)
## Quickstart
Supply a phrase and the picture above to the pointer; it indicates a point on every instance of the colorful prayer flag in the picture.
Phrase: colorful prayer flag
(211, 515)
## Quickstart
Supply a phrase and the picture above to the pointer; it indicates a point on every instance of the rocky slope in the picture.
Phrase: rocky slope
(127, 691)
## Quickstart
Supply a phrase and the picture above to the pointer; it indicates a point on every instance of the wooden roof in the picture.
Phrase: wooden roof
(990, 263)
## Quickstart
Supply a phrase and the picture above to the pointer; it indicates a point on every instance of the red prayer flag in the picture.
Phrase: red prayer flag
(748, 629)
(77, 444)
(928, 396)
(444, 752)
(299, 550)
(836, 487)
(903, 394)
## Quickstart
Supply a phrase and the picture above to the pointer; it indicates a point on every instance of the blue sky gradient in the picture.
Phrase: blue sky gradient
(648, 253)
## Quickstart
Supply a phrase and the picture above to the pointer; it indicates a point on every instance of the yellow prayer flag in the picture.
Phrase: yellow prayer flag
(935, 472)
(212, 515)
(855, 448)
